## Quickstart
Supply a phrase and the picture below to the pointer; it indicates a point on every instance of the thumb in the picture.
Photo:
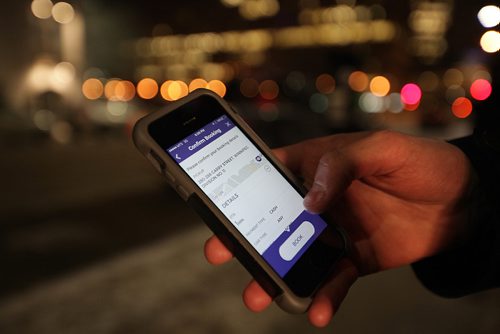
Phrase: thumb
(334, 174)
(380, 153)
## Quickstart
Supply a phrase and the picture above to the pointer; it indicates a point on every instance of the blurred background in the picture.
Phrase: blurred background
(93, 240)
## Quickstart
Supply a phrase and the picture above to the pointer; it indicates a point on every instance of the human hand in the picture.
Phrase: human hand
(399, 198)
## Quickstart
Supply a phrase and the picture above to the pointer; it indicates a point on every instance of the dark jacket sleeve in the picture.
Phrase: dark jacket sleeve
(475, 264)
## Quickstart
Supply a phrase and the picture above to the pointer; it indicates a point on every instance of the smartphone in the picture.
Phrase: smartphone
(216, 163)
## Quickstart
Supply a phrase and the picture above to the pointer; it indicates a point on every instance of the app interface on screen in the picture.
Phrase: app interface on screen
(249, 191)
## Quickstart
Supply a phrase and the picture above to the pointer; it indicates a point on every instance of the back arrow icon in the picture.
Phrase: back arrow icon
(177, 157)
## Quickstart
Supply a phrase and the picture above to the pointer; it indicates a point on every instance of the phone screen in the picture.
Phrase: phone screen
(250, 191)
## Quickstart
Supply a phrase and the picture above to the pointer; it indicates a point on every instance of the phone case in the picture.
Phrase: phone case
(216, 221)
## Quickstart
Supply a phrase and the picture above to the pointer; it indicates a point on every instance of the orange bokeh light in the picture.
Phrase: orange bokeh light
(358, 81)
(92, 88)
(269, 89)
(461, 107)
(380, 86)
(174, 90)
(197, 83)
(110, 89)
(124, 90)
(325, 83)
(217, 87)
(147, 88)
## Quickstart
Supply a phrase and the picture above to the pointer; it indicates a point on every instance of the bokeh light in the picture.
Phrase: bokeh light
(429, 81)
(217, 87)
(174, 90)
(380, 86)
(411, 94)
(325, 83)
(197, 83)
(393, 103)
(110, 89)
(358, 81)
(371, 103)
(92, 88)
(42, 8)
(63, 73)
(480, 89)
(452, 77)
(63, 12)
(249, 87)
(462, 107)
(318, 103)
(296, 81)
(489, 16)
(124, 90)
(490, 41)
(147, 88)
(269, 89)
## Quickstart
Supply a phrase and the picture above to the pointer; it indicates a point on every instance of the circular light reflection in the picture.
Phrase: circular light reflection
(147, 88)
(489, 16)
(110, 89)
(44, 119)
(490, 41)
(177, 89)
(480, 89)
(269, 89)
(318, 103)
(411, 94)
(452, 77)
(461, 107)
(197, 83)
(358, 81)
(92, 88)
(296, 81)
(63, 12)
(217, 87)
(380, 86)
(371, 103)
(394, 103)
(325, 83)
(124, 90)
(42, 8)
(429, 81)
(249, 88)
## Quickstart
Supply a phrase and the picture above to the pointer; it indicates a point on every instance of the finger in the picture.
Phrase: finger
(328, 299)
(377, 154)
(215, 251)
(255, 298)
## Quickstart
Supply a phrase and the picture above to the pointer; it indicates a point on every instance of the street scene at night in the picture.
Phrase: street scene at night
(94, 240)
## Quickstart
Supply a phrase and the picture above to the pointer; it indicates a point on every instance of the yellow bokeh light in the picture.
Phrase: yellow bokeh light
(173, 90)
(63, 12)
(490, 41)
(217, 87)
(42, 8)
(147, 88)
(358, 81)
(197, 83)
(92, 88)
(380, 86)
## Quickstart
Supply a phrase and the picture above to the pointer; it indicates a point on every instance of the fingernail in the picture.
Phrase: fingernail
(314, 196)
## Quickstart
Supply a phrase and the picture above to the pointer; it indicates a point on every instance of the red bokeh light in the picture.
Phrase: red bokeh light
(480, 89)
(461, 107)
